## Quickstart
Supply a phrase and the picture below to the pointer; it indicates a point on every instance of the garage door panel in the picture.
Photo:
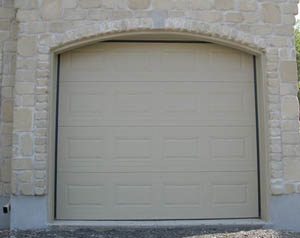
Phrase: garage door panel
(142, 61)
(101, 104)
(132, 149)
(156, 131)
(158, 195)
(215, 76)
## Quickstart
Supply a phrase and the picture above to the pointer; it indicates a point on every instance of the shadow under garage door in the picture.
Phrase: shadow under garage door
(156, 131)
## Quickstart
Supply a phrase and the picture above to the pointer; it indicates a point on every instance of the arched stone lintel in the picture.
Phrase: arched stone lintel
(216, 33)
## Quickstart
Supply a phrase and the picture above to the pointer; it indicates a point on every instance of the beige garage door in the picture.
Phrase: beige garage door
(156, 131)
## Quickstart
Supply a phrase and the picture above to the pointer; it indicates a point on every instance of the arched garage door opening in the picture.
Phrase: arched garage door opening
(156, 130)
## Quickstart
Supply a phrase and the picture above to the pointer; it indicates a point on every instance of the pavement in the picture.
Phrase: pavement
(153, 232)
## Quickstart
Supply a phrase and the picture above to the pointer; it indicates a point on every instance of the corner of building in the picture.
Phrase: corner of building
(4, 218)
(28, 212)
(285, 212)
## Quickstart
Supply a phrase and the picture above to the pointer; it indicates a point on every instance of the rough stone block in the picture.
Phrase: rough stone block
(24, 88)
(40, 174)
(290, 8)
(290, 188)
(276, 189)
(23, 119)
(95, 14)
(26, 145)
(271, 13)
(288, 19)
(7, 13)
(25, 176)
(121, 4)
(291, 137)
(288, 71)
(89, 3)
(290, 125)
(201, 4)
(4, 35)
(181, 5)
(288, 88)
(27, 46)
(246, 5)
(121, 14)
(210, 16)
(224, 4)
(291, 169)
(21, 164)
(26, 189)
(290, 107)
(70, 14)
(51, 9)
(7, 111)
(163, 4)
(5, 168)
(27, 15)
(234, 17)
(138, 4)
(4, 25)
(108, 4)
(69, 3)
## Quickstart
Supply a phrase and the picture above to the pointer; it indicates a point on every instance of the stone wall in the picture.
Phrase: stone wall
(264, 25)
(8, 36)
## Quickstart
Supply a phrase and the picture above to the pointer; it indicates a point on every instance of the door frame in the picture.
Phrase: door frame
(260, 105)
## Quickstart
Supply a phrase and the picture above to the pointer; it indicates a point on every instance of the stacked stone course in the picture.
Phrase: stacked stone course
(8, 36)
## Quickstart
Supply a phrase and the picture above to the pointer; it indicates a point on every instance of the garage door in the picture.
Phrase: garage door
(156, 131)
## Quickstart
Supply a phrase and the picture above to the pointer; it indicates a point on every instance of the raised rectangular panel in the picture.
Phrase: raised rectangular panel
(230, 194)
(80, 102)
(84, 148)
(181, 102)
(93, 61)
(172, 148)
(86, 103)
(226, 102)
(142, 62)
(85, 195)
(131, 62)
(228, 148)
(171, 60)
(161, 195)
(156, 131)
(132, 148)
(133, 101)
(228, 61)
(80, 149)
(133, 195)
(182, 195)
(157, 104)
(181, 148)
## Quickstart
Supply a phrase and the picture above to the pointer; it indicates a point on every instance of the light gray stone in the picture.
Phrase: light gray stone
(51, 9)
(27, 46)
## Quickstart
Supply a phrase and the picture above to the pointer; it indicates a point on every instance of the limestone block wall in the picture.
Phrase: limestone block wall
(8, 36)
(263, 25)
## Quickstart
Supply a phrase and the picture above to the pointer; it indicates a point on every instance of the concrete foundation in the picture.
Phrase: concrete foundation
(4, 218)
(28, 212)
(285, 212)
